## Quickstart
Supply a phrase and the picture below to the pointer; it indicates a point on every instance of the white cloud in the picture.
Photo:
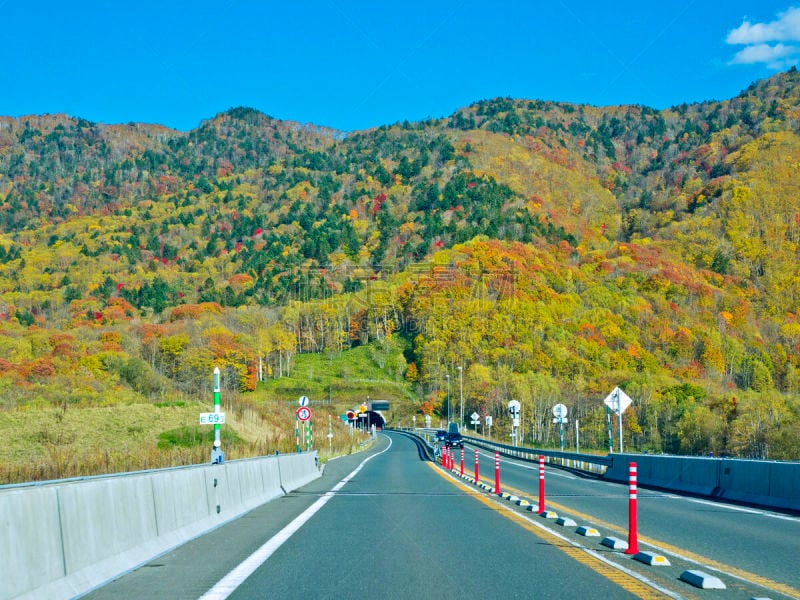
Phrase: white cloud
(785, 29)
(759, 41)
(774, 56)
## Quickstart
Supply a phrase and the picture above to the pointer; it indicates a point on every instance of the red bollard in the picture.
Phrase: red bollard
(633, 536)
(477, 479)
(462, 461)
(496, 472)
(541, 485)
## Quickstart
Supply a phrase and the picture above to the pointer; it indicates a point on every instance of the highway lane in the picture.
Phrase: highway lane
(752, 543)
(398, 528)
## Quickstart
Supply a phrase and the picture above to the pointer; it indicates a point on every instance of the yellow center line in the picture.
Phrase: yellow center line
(626, 581)
(678, 552)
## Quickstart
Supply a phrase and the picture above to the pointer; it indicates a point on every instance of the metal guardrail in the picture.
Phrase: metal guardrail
(590, 463)
(423, 443)
(582, 462)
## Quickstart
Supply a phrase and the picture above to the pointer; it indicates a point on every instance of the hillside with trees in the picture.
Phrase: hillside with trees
(551, 251)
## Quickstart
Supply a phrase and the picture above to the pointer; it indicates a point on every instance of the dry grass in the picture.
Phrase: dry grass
(46, 443)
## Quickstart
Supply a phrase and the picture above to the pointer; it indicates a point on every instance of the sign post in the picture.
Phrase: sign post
(617, 401)
(560, 413)
(514, 409)
(302, 414)
(217, 417)
(476, 418)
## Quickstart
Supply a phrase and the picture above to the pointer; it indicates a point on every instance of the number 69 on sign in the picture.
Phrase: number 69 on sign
(212, 418)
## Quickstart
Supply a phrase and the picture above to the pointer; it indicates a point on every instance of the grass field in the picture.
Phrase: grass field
(47, 442)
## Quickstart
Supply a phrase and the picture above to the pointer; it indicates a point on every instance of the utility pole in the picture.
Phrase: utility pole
(461, 394)
(447, 375)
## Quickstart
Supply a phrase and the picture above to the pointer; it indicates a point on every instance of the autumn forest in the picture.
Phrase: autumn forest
(540, 251)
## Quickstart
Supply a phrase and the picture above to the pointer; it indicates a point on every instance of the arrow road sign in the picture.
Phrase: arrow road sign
(303, 401)
(618, 401)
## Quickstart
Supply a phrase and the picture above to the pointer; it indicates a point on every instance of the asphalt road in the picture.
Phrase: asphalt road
(396, 528)
(753, 551)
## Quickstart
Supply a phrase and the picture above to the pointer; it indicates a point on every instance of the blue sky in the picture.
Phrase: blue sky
(355, 65)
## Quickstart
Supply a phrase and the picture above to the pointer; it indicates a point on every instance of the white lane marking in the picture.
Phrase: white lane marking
(736, 508)
(228, 584)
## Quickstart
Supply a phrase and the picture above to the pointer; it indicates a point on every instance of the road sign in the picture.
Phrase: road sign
(304, 413)
(560, 411)
(513, 407)
(489, 420)
(561, 420)
(618, 401)
(212, 418)
(475, 416)
(350, 414)
(303, 401)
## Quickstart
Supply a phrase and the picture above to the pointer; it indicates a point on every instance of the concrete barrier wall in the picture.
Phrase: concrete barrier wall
(63, 538)
(771, 484)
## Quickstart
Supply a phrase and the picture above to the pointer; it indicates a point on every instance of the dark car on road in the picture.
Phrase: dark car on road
(441, 436)
(454, 439)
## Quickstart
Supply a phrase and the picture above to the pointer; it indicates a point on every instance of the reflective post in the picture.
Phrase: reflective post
(496, 472)
(633, 536)
(541, 484)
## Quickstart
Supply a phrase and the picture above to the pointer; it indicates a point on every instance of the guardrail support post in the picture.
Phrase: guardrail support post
(633, 536)
(541, 484)
(496, 472)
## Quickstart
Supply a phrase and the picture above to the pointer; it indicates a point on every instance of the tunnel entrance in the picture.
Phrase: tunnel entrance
(370, 418)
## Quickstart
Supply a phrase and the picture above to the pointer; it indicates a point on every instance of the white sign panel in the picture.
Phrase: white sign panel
(212, 418)
(475, 416)
(561, 420)
(559, 411)
(303, 401)
(489, 420)
(618, 401)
